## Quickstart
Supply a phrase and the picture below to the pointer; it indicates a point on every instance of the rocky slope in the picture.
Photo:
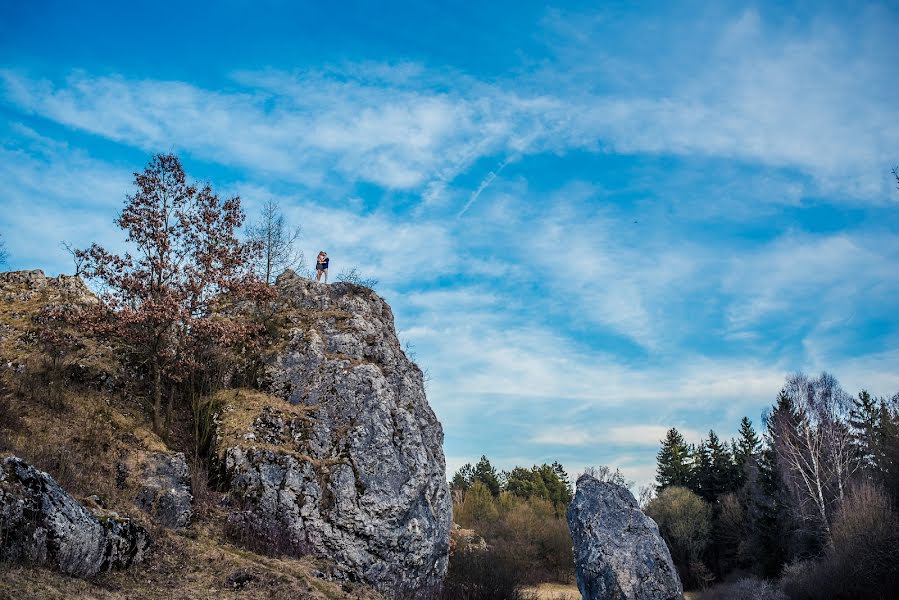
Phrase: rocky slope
(73, 414)
(344, 457)
(42, 524)
(618, 551)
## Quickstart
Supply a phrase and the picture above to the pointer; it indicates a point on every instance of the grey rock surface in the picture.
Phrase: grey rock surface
(164, 490)
(362, 480)
(42, 524)
(21, 286)
(618, 551)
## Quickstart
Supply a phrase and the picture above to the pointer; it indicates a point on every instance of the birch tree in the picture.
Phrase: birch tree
(815, 446)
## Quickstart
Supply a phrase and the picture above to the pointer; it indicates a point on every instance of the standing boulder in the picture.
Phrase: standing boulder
(618, 551)
(42, 524)
(344, 457)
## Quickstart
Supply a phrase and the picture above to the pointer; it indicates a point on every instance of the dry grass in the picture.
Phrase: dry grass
(80, 446)
(193, 564)
(80, 440)
(558, 591)
(241, 407)
(553, 591)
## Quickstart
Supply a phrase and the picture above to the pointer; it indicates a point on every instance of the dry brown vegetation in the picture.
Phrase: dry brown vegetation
(86, 431)
(196, 563)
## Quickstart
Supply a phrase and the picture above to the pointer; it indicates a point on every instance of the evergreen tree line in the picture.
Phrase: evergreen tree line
(811, 500)
(549, 482)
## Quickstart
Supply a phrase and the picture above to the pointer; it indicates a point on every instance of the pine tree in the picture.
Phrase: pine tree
(486, 474)
(748, 446)
(864, 419)
(722, 462)
(888, 445)
(700, 482)
(776, 527)
(563, 477)
(673, 460)
(463, 478)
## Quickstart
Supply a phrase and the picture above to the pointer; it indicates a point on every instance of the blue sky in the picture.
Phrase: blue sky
(593, 223)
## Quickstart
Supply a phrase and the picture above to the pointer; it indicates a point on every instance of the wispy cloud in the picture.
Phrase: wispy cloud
(485, 183)
(756, 95)
(677, 211)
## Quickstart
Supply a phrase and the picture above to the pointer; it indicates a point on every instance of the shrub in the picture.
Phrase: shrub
(529, 534)
(684, 520)
(749, 588)
(478, 508)
(860, 562)
(479, 575)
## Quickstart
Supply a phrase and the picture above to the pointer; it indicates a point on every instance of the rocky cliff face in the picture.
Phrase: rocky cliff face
(344, 459)
(618, 552)
(41, 524)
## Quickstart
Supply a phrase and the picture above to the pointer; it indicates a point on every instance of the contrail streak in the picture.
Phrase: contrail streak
(485, 184)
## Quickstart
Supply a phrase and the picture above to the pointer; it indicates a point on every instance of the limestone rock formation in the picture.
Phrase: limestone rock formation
(42, 524)
(21, 286)
(345, 458)
(618, 552)
(165, 489)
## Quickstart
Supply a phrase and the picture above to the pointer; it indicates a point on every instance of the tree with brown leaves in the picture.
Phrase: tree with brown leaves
(165, 303)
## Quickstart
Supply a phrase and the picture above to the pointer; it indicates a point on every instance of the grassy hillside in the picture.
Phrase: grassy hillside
(68, 409)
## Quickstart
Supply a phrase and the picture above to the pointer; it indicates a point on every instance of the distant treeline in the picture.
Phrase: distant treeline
(521, 515)
(811, 501)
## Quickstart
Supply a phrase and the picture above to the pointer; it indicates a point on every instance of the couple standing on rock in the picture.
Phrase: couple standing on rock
(321, 266)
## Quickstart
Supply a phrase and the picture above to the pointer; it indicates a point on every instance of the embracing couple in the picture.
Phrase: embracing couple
(321, 266)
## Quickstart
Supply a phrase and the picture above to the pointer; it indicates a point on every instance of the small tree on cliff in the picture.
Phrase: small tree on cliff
(160, 303)
(278, 243)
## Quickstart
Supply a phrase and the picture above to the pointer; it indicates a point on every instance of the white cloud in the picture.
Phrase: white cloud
(52, 193)
(620, 435)
(812, 279)
(813, 100)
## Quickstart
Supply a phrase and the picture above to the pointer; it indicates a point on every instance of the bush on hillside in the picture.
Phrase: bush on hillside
(478, 508)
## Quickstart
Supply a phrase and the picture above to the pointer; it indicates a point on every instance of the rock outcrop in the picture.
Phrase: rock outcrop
(345, 458)
(618, 552)
(42, 524)
(165, 489)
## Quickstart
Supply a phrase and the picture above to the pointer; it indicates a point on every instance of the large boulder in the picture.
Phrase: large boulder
(344, 459)
(42, 524)
(618, 552)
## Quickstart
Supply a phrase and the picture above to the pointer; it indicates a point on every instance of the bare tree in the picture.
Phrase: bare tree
(607, 475)
(77, 259)
(3, 253)
(354, 276)
(278, 242)
(645, 494)
(814, 444)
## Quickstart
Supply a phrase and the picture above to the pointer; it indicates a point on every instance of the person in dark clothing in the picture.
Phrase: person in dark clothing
(321, 266)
